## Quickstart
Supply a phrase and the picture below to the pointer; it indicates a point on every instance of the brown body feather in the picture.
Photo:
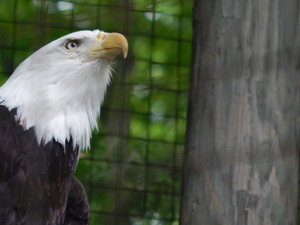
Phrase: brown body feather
(37, 186)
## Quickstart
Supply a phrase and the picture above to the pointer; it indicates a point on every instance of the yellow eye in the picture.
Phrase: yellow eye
(72, 45)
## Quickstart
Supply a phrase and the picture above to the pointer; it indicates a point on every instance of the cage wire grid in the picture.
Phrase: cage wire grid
(132, 173)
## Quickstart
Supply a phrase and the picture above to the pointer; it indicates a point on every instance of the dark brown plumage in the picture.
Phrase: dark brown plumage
(36, 181)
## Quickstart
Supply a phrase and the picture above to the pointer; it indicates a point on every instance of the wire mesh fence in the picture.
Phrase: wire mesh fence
(132, 173)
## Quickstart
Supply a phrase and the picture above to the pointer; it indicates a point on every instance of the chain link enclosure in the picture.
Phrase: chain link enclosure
(132, 173)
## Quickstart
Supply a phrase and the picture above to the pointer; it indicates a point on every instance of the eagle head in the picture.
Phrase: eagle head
(59, 89)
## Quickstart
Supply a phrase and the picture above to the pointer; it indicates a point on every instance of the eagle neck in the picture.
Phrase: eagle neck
(59, 108)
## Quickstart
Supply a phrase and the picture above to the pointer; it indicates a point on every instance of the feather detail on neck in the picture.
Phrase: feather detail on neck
(58, 110)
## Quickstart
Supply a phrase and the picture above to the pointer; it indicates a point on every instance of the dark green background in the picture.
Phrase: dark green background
(132, 173)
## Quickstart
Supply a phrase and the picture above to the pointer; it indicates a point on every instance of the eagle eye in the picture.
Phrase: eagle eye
(72, 45)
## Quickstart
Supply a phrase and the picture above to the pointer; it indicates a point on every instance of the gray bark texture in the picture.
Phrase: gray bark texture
(241, 159)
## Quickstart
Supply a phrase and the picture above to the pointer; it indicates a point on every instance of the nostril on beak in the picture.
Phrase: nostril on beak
(101, 36)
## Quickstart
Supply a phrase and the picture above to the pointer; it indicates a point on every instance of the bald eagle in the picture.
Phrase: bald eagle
(48, 108)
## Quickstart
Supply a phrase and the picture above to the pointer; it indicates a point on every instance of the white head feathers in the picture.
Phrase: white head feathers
(58, 90)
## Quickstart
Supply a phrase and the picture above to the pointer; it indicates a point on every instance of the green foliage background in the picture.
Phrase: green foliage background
(132, 173)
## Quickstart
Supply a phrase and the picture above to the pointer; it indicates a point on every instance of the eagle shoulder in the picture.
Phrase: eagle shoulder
(36, 181)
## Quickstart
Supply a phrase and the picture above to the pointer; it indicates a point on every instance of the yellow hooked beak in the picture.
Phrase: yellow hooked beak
(109, 45)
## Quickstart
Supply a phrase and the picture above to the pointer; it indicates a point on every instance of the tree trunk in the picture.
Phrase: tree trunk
(241, 161)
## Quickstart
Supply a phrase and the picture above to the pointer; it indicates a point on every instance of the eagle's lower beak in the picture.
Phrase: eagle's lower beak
(110, 45)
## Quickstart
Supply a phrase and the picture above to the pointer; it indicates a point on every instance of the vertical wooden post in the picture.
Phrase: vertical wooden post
(241, 162)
